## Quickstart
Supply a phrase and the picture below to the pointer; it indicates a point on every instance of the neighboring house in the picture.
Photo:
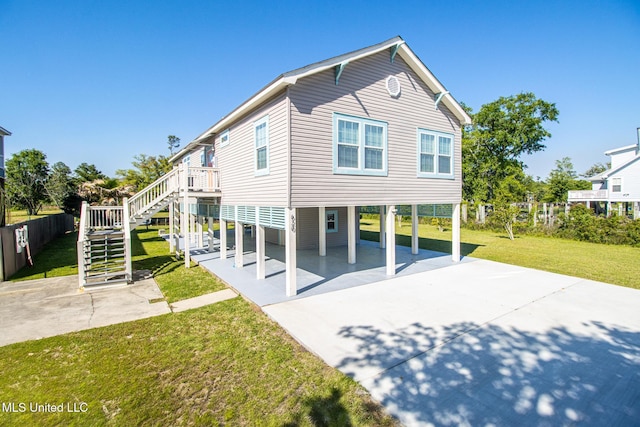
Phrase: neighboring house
(297, 160)
(616, 188)
(3, 133)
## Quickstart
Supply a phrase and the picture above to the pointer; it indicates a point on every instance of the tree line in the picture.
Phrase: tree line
(32, 183)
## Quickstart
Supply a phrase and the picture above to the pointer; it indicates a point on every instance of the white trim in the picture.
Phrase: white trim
(262, 121)
(362, 147)
(225, 138)
(335, 221)
(292, 77)
(616, 178)
(436, 154)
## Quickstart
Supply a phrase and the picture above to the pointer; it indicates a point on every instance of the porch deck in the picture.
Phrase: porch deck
(315, 275)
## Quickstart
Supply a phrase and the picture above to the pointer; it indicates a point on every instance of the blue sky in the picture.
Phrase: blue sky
(101, 81)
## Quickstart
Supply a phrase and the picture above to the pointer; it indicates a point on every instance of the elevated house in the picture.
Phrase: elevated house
(298, 160)
(618, 188)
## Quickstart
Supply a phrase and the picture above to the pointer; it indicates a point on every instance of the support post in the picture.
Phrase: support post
(351, 234)
(239, 258)
(171, 225)
(199, 230)
(184, 224)
(391, 240)
(383, 236)
(290, 251)
(322, 231)
(414, 230)
(210, 233)
(223, 238)
(260, 252)
(455, 233)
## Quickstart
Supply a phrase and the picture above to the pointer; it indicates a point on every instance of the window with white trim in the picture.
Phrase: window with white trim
(359, 146)
(261, 139)
(616, 185)
(332, 221)
(224, 138)
(435, 154)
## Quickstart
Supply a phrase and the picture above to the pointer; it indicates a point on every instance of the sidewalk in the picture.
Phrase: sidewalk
(41, 308)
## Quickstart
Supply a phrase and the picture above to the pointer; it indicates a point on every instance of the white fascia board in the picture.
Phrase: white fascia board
(621, 149)
(4, 132)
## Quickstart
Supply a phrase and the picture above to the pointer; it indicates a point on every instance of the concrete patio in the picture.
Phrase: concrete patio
(315, 275)
(471, 343)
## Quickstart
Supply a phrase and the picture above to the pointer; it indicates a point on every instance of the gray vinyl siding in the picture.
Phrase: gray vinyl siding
(240, 185)
(362, 92)
(308, 229)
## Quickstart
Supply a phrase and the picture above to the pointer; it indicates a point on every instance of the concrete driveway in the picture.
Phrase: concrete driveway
(41, 308)
(482, 343)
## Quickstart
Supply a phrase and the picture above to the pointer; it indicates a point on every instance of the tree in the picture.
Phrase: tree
(595, 170)
(562, 179)
(88, 173)
(502, 131)
(27, 172)
(146, 170)
(173, 142)
(59, 184)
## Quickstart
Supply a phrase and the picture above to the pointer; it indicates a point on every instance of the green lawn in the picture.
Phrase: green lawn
(16, 216)
(57, 258)
(225, 364)
(606, 263)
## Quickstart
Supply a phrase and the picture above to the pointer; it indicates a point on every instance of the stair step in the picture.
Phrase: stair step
(105, 275)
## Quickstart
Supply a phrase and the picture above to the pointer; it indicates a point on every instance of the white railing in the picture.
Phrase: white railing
(104, 218)
(581, 195)
(204, 179)
(96, 218)
(200, 179)
(155, 192)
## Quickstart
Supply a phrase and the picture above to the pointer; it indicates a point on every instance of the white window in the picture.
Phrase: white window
(332, 221)
(435, 154)
(616, 185)
(261, 139)
(224, 138)
(359, 146)
(187, 160)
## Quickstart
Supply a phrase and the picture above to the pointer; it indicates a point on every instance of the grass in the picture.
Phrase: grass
(614, 264)
(151, 252)
(17, 216)
(58, 258)
(225, 364)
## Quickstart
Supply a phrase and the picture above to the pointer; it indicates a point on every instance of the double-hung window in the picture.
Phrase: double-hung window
(359, 146)
(261, 139)
(435, 154)
(616, 185)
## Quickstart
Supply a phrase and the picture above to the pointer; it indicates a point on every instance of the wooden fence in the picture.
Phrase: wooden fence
(41, 231)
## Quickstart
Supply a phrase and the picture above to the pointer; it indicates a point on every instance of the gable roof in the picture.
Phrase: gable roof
(621, 149)
(4, 132)
(606, 174)
(291, 77)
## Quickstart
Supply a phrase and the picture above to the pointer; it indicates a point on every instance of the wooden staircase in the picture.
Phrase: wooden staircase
(104, 234)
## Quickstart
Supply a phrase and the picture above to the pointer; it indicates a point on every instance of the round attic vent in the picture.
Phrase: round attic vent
(393, 86)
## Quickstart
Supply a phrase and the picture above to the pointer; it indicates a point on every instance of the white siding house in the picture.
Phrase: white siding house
(372, 127)
(616, 189)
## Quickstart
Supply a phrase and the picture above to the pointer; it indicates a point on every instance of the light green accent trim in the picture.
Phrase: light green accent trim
(394, 50)
(339, 69)
(439, 97)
